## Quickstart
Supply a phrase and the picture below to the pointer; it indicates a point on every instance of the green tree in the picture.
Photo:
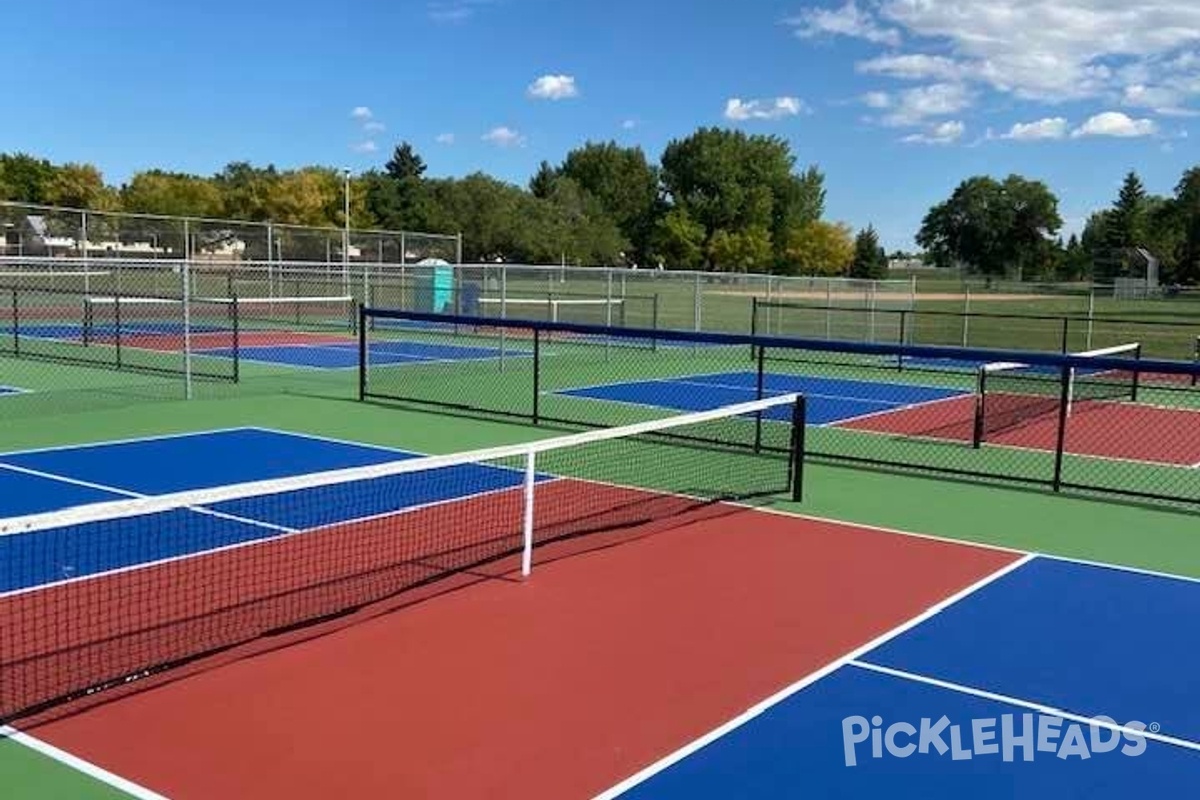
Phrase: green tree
(1187, 209)
(679, 241)
(79, 186)
(729, 181)
(748, 250)
(1127, 223)
(624, 183)
(1076, 263)
(405, 164)
(593, 237)
(819, 248)
(177, 194)
(246, 190)
(992, 226)
(25, 178)
(870, 260)
(542, 183)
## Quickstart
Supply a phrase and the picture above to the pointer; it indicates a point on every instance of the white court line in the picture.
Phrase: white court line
(866, 526)
(131, 440)
(777, 698)
(894, 410)
(37, 473)
(1041, 708)
(80, 765)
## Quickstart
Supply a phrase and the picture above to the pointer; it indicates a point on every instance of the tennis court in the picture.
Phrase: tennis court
(310, 332)
(1168, 435)
(648, 669)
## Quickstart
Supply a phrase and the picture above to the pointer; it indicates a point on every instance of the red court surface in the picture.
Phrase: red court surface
(1095, 428)
(224, 339)
(556, 687)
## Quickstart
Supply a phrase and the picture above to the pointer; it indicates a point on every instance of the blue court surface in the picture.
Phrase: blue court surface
(40, 481)
(345, 356)
(830, 400)
(1057, 679)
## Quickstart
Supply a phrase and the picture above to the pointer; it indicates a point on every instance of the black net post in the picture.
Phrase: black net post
(537, 375)
(1137, 372)
(1064, 409)
(799, 448)
(980, 410)
(362, 352)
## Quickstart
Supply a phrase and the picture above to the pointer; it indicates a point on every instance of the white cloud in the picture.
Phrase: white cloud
(444, 138)
(452, 11)
(629, 124)
(915, 66)
(1114, 123)
(914, 106)
(374, 127)
(361, 113)
(504, 136)
(849, 20)
(877, 100)
(1048, 128)
(367, 146)
(942, 133)
(739, 110)
(1046, 50)
(553, 87)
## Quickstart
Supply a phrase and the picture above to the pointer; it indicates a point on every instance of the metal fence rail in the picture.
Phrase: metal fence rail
(1124, 426)
(1172, 338)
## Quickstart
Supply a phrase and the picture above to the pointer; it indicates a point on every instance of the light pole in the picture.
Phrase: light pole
(346, 235)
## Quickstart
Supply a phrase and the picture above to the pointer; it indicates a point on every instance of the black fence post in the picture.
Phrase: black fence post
(903, 338)
(537, 376)
(1066, 334)
(758, 395)
(237, 340)
(654, 320)
(362, 352)
(16, 315)
(799, 448)
(1064, 413)
(117, 323)
(1195, 375)
(753, 322)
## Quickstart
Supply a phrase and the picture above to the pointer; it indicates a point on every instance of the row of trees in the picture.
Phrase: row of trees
(1010, 228)
(717, 199)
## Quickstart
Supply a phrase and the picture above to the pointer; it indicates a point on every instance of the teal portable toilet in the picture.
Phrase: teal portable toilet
(433, 286)
(443, 289)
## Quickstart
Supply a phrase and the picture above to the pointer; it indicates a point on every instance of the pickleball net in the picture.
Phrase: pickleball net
(1010, 394)
(102, 596)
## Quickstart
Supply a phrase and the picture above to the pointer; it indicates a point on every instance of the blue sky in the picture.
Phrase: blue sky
(895, 100)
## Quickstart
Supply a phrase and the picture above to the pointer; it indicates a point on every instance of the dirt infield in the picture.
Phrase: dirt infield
(930, 296)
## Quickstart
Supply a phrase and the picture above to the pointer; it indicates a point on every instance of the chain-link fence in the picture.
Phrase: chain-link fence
(35, 231)
(1167, 337)
(1116, 423)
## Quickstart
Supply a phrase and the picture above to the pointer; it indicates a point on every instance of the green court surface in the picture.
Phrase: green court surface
(71, 405)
